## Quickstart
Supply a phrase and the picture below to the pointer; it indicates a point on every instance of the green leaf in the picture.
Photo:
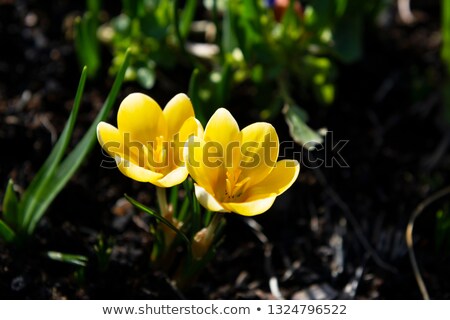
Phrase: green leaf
(299, 130)
(174, 199)
(38, 187)
(341, 6)
(193, 94)
(10, 205)
(94, 6)
(6, 232)
(224, 86)
(187, 16)
(176, 21)
(86, 42)
(73, 161)
(195, 209)
(229, 41)
(161, 219)
(74, 259)
(182, 214)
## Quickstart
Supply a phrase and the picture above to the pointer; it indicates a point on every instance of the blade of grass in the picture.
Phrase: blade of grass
(74, 259)
(73, 161)
(174, 200)
(195, 207)
(161, 219)
(194, 88)
(94, 6)
(187, 16)
(10, 206)
(6, 232)
(176, 21)
(37, 188)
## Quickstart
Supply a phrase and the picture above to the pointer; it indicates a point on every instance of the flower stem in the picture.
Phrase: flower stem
(213, 225)
(162, 202)
(203, 239)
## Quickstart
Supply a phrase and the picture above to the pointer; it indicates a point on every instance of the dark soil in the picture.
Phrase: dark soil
(389, 108)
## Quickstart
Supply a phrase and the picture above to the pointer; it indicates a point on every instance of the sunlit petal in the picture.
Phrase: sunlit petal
(259, 149)
(136, 172)
(173, 178)
(191, 127)
(204, 171)
(207, 200)
(141, 119)
(112, 141)
(251, 208)
(223, 136)
(176, 112)
(279, 180)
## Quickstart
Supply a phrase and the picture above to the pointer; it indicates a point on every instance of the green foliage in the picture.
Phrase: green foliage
(154, 31)
(20, 217)
(296, 119)
(103, 251)
(179, 247)
(254, 46)
(160, 219)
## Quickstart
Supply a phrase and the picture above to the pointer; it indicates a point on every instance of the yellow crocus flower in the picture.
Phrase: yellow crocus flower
(148, 142)
(237, 170)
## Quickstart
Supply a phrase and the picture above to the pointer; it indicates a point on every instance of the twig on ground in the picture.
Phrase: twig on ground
(352, 286)
(404, 11)
(268, 246)
(355, 224)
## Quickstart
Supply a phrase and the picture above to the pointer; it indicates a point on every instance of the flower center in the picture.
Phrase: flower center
(234, 188)
(157, 155)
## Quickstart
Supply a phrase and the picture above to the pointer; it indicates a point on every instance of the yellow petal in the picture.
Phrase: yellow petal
(173, 178)
(251, 208)
(203, 171)
(135, 172)
(112, 141)
(279, 180)
(259, 151)
(141, 119)
(222, 135)
(109, 138)
(176, 112)
(191, 127)
(207, 200)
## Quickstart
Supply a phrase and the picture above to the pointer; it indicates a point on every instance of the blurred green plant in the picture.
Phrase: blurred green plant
(276, 53)
(21, 216)
(155, 32)
(271, 52)
(103, 251)
(86, 41)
